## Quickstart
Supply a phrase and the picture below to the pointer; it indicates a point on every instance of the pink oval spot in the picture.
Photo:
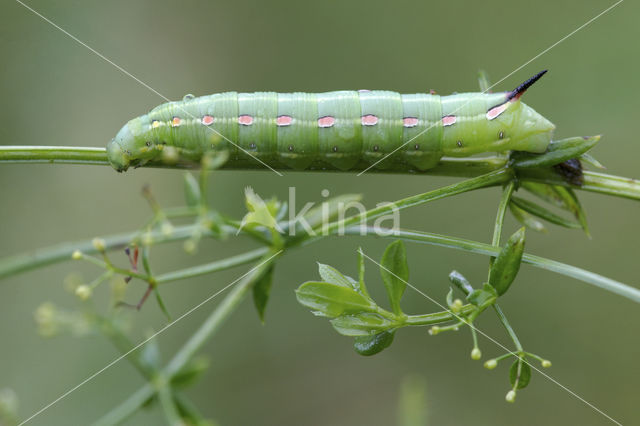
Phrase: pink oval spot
(176, 121)
(497, 110)
(369, 120)
(245, 120)
(207, 120)
(448, 120)
(364, 91)
(284, 120)
(410, 121)
(326, 121)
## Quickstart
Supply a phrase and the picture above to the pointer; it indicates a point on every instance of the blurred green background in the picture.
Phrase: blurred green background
(295, 369)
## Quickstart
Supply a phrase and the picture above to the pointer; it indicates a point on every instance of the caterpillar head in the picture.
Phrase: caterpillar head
(120, 157)
(533, 132)
(130, 146)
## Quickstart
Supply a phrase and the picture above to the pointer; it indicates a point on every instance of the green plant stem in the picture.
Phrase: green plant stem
(486, 249)
(502, 210)
(229, 304)
(438, 317)
(163, 390)
(458, 167)
(490, 179)
(61, 252)
(215, 320)
(53, 154)
(505, 323)
(216, 266)
(118, 414)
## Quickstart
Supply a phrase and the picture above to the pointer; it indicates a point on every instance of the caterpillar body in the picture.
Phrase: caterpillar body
(344, 130)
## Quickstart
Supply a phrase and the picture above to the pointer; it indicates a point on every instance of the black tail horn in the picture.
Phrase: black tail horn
(518, 91)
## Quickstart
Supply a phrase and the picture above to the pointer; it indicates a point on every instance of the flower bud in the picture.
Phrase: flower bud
(83, 292)
(456, 306)
(511, 396)
(546, 363)
(476, 354)
(490, 364)
(45, 313)
(99, 244)
(76, 255)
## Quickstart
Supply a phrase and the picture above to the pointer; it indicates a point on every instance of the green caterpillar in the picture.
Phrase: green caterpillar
(344, 130)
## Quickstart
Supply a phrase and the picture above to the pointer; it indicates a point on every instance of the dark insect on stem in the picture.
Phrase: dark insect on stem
(571, 171)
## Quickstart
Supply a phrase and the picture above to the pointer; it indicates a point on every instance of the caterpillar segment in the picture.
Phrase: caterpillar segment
(343, 130)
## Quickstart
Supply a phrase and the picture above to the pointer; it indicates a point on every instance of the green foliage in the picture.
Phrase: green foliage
(507, 264)
(333, 300)
(557, 152)
(395, 273)
(261, 291)
(371, 345)
(519, 374)
(344, 301)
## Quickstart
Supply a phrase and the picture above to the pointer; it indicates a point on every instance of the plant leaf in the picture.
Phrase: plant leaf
(333, 300)
(260, 213)
(161, 304)
(191, 190)
(570, 199)
(395, 273)
(523, 378)
(190, 372)
(460, 282)
(262, 290)
(526, 219)
(484, 297)
(592, 161)
(364, 324)
(557, 152)
(371, 345)
(507, 264)
(560, 196)
(543, 213)
(362, 288)
(332, 275)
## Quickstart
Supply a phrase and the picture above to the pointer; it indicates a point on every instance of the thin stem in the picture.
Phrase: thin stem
(128, 407)
(231, 301)
(61, 252)
(437, 317)
(237, 294)
(216, 266)
(505, 323)
(460, 167)
(502, 210)
(486, 249)
(163, 390)
(490, 179)
(53, 154)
